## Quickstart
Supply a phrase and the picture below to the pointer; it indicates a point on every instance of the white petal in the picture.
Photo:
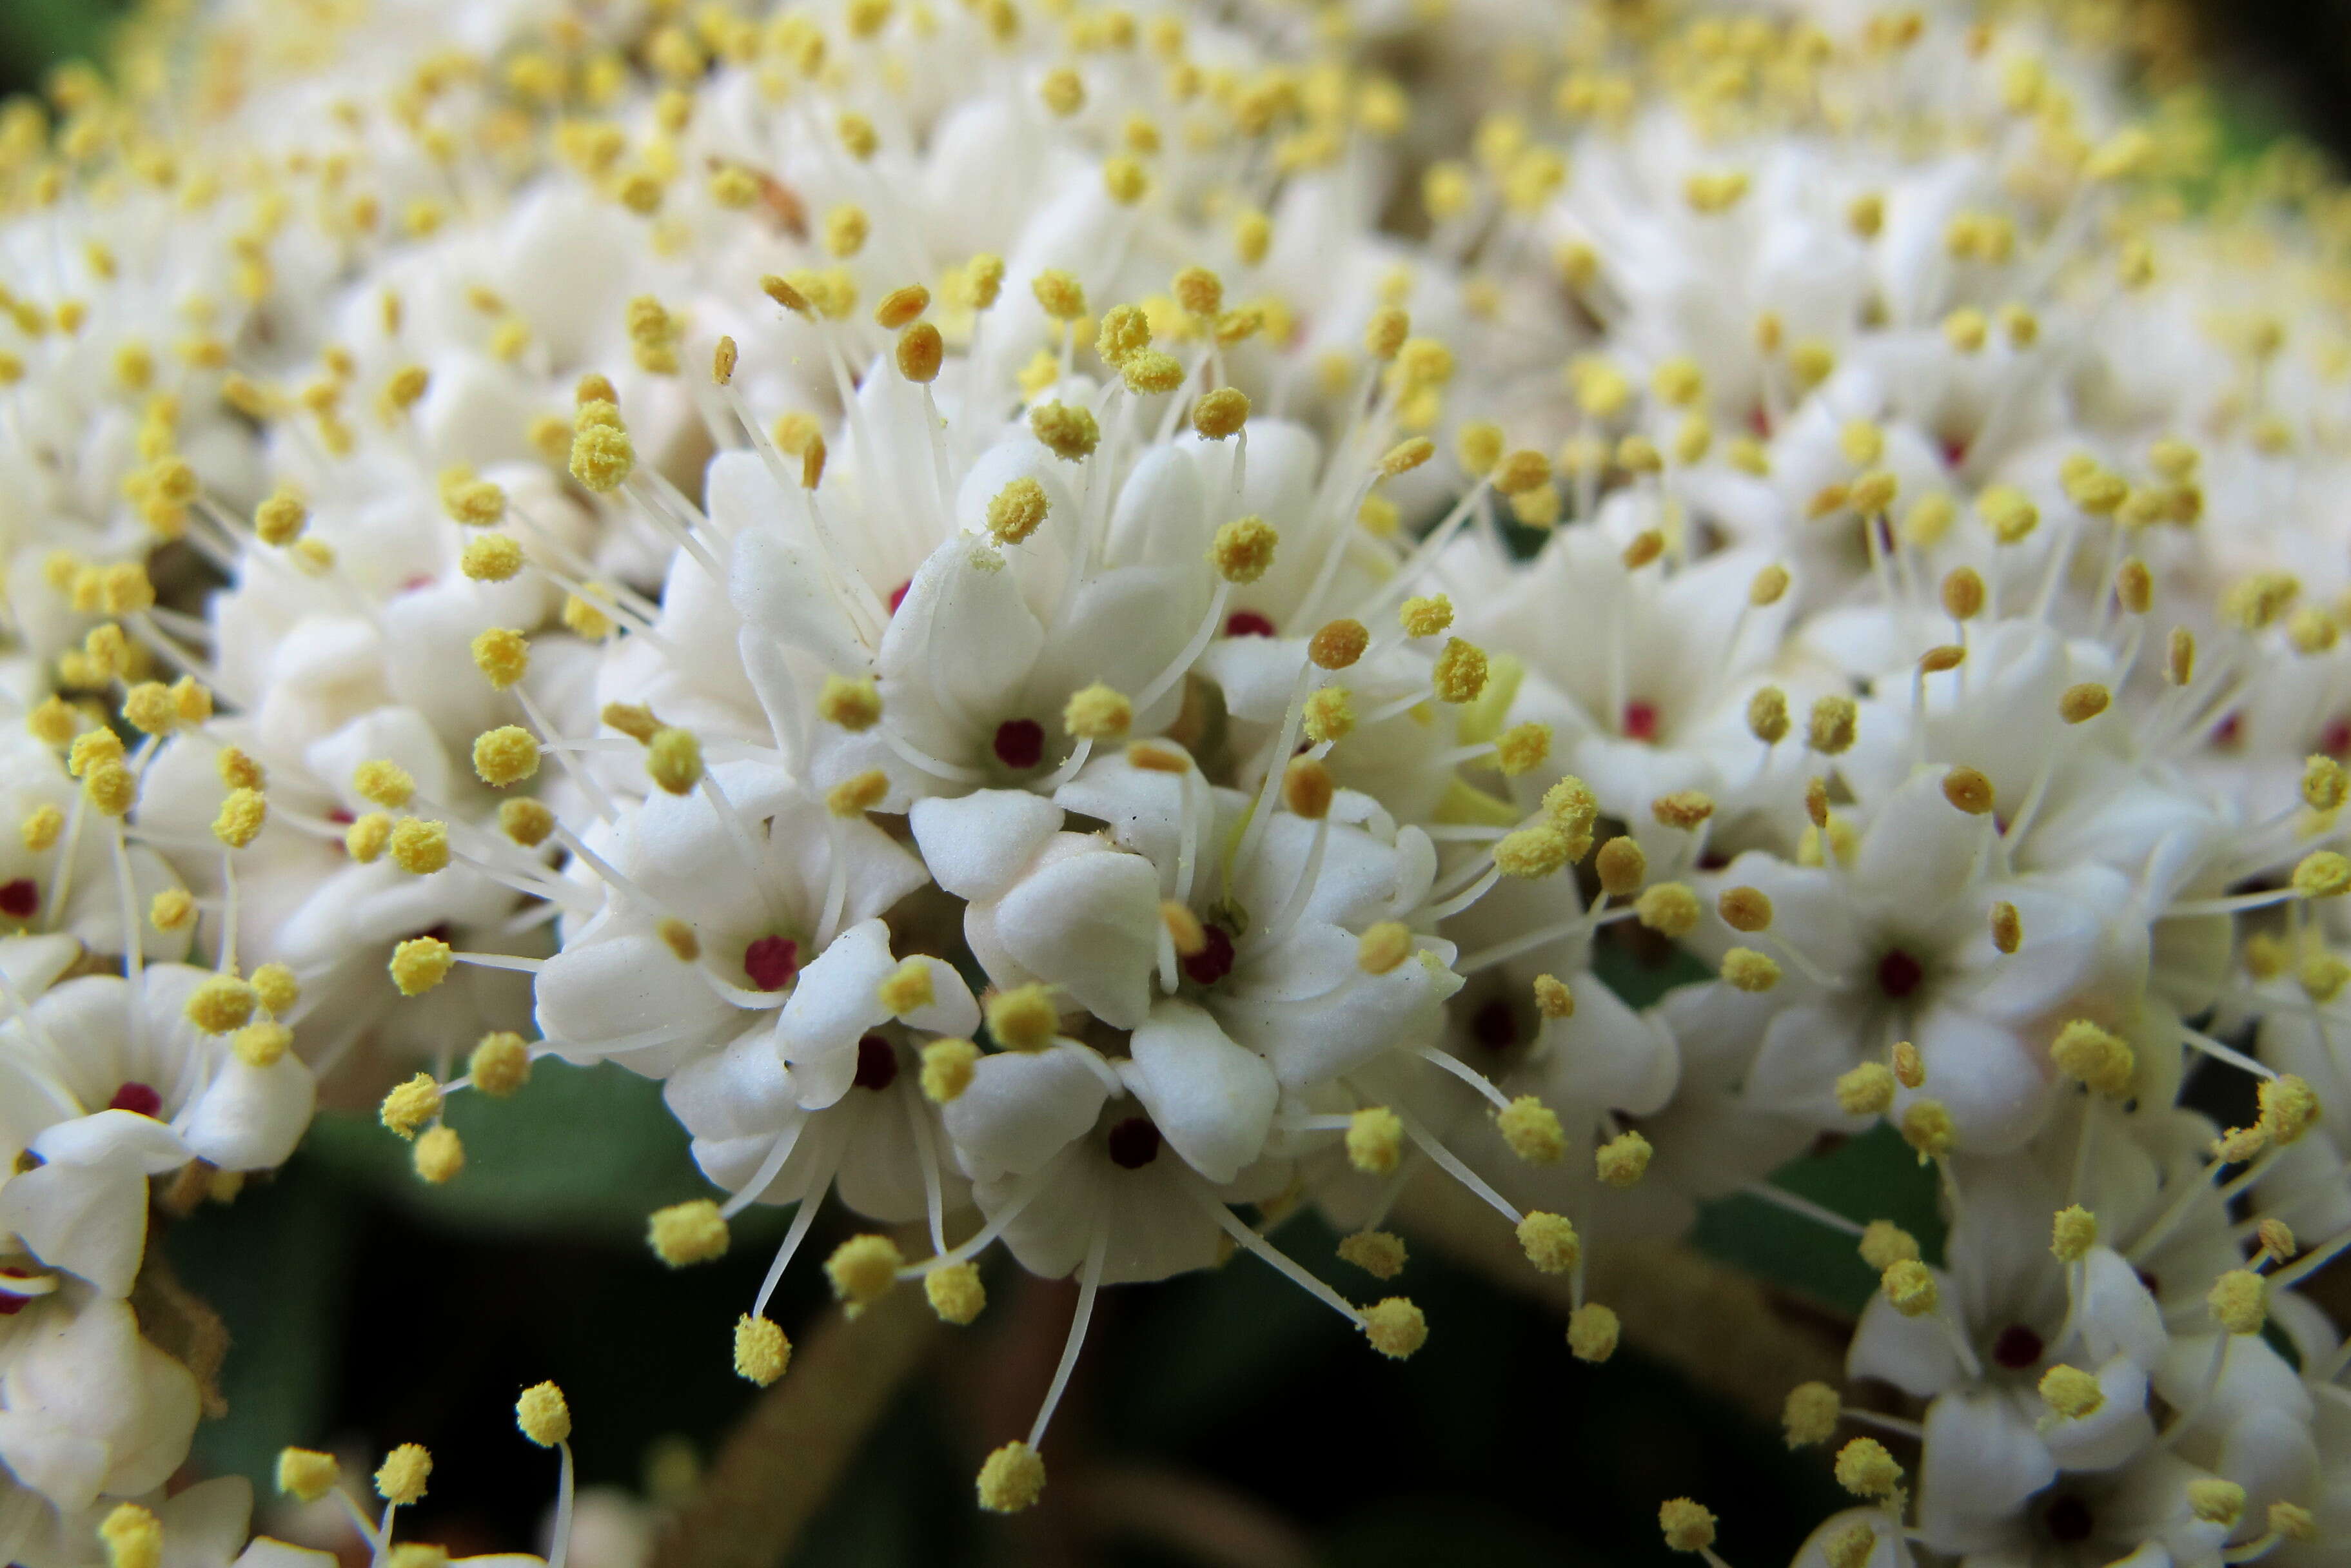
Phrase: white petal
(1212, 1100)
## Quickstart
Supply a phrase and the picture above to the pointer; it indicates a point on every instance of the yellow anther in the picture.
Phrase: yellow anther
(1330, 716)
(1592, 1331)
(439, 1155)
(1379, 1253)
(1683, 810)
(412, 1104)
(1550, 1242)
(1811, 1415)
(420, 964)
(500, 1064)
(1069, 432)
(402, 1477)
(1864, 1468)
(367, 838)
(543, 1416)
(133, 1537)
(2071, 1393)
(863, 1269)
(491, 558)
(907, 988)
(602, 456)
(955, 1293)
(242, 814)
(2072, 1233)
(2007, 927)
(1406, 455)
(1553, 1000)
(1669, 908)
(1866, 1091)
(1459, 673)
(2322, 874)
(502, 656)
(1012, 1479)
(505, 756)
(1749, 970)
(1395, 1327)
(1968, 790)
(2291, 1521)
(919, 353)
(305, 1475)
(1221, 413)
(687, 1233)
(420, 846)
(1243, 550)
(1375, 1140)
(1909, 1289)
(856, 796)
(2216, 1501)
(94, 748)
(1425, 617)
(1926, 1126)
(1125, 180)
(1687, 1525)
(1024, 1018)
(1536, 851)
(948, 1068)
(1532, 1131)
(1097, 713)
(2240, 1301)
(1382, 946)
(1624, 1159)
(1621, 867)
(2288, 1105)
(383, 783)
(1885, 1244)
(673, 760)
(1831, 728)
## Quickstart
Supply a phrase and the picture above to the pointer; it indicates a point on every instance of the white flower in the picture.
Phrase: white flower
(758, 876)
(87, 1406)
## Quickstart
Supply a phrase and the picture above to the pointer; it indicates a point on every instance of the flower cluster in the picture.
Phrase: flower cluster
(946, 583)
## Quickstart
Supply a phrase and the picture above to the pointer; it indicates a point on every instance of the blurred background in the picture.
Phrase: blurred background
(1218, 1419)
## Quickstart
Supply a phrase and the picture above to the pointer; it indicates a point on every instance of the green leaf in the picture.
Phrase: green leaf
(37, 34)
(583, 1152)
(1874, 1177)
(276, 1266)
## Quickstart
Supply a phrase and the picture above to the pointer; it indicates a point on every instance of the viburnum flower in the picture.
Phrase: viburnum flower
(1894, 943)
(719, 901)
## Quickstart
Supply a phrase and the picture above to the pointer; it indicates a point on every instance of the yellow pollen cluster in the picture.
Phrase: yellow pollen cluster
(955, 1293)
(863, 1269)
(1375, 1140)
(687, 1233)
(1550, 1242)
(762, 1354)
(1533, 1133)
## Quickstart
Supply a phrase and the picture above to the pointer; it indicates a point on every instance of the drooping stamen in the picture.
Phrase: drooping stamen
(1088, 1282)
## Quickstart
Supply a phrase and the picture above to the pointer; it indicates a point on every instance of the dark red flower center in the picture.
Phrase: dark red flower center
(1019, 743)
(898, 595)
(2335, 738)
(11, 1304)
(136, 1098)
(20, 898)
(877, 1063)
(1640, 721)
(1133, 1142)
(1495, 1026)
(1898, 974)
(771, 962)
(2069, 1520)
(2229, 730)
(1248, 624)
(2017, 1347)
(1214, 961)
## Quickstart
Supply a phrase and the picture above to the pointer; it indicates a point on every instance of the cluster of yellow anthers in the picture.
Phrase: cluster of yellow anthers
(1816, 498)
